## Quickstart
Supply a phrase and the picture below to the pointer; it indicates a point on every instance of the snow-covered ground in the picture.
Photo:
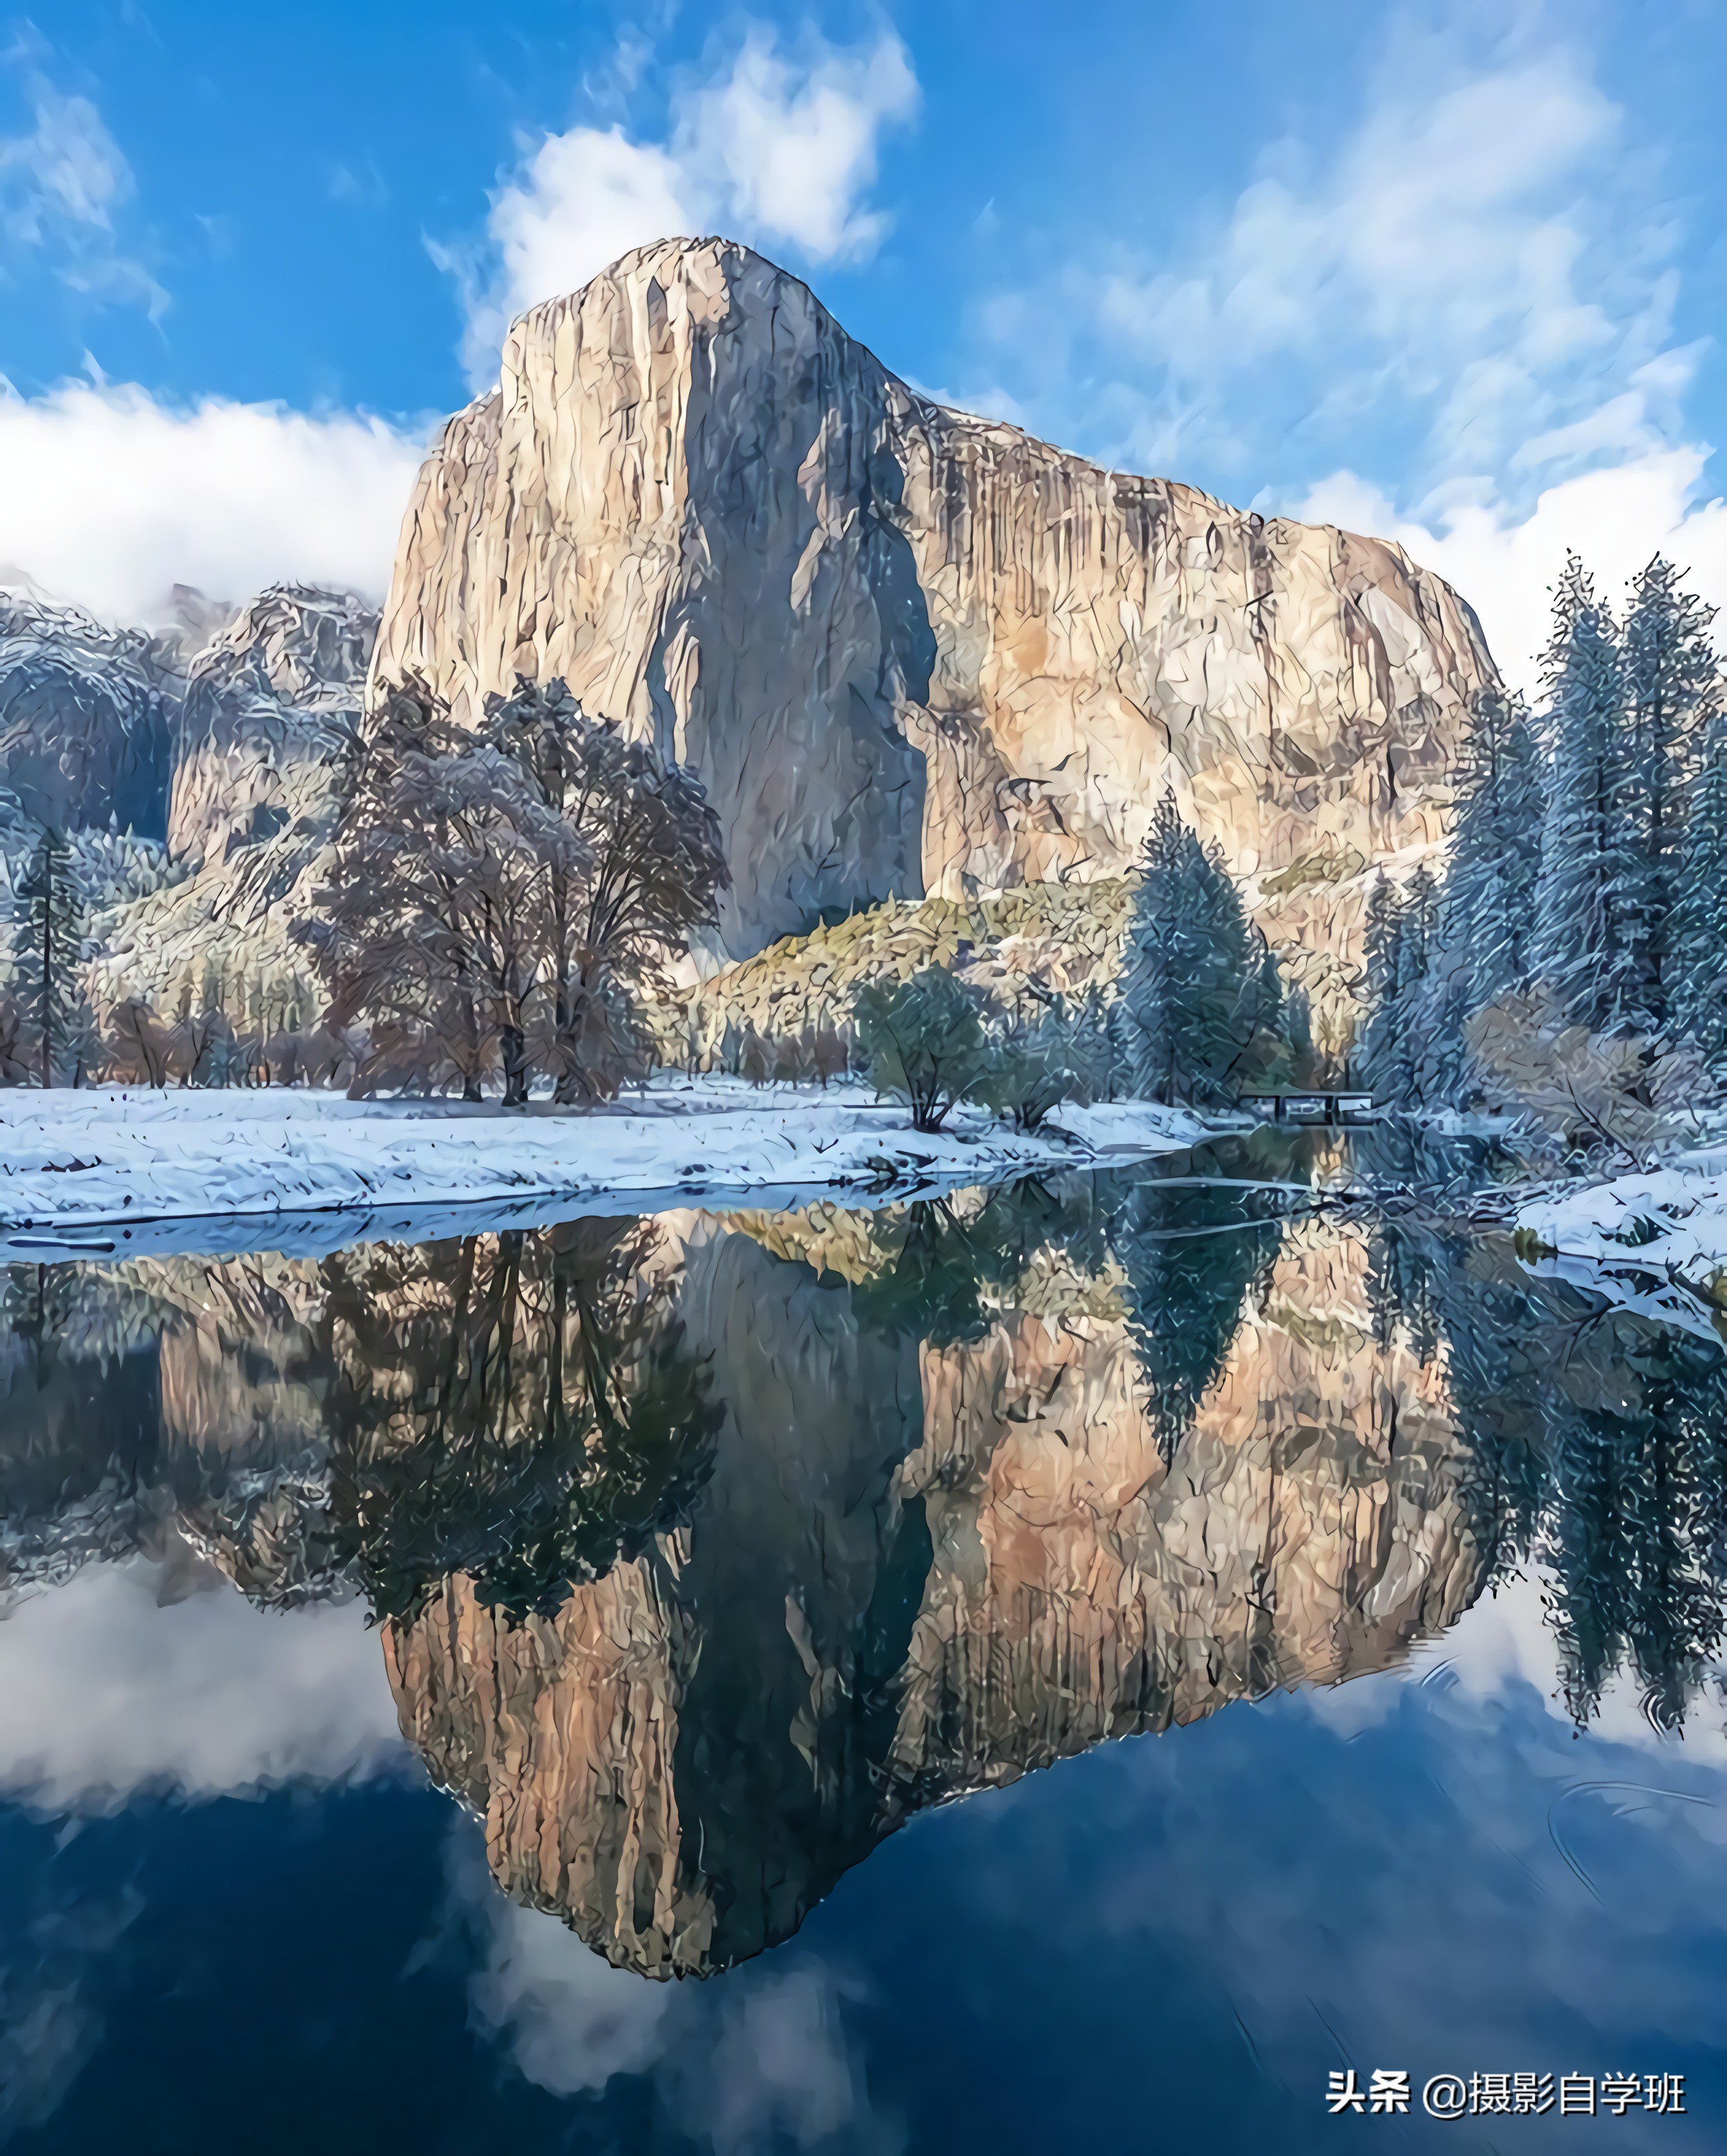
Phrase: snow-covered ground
(1656, 1240)
(83, 1164)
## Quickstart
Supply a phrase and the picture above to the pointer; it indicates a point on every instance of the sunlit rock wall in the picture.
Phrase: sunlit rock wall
(1309, 1528)
(909, 650)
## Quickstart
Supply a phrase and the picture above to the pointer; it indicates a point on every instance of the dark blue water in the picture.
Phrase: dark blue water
(518, 1688)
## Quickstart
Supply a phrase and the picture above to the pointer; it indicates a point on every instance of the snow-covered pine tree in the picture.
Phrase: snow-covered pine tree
(1699, 923)
(1670, 687)
(1378, 936)
(47, 947)
(1486, 906)
(1395, 1060)
(1589, 893)
(1194, 987)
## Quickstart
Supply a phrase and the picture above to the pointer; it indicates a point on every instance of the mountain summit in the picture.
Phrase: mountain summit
(910, 651)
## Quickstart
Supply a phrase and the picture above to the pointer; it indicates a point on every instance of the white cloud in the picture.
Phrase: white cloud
(1506, 564)
(61, 186)
(787, 149)
(568, 2019)
(68, 170)
(780, 150)
(762, 2059)
(103, 1694)
(781, 2069)
(582, 199)
(1471, 274)
(1426, 216)
(1444, 227)
(111, 498)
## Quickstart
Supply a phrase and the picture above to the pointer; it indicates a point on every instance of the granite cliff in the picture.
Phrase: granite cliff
(971, 1488)
(914, 652)
(276, 691)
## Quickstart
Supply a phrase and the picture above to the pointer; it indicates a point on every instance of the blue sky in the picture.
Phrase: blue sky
(1448, 273)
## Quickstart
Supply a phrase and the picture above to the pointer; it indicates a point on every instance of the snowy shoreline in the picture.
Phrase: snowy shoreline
(1655, 1240)
(75, 1163)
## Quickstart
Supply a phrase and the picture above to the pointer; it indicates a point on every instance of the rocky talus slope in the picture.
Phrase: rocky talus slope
(914, 652)
(771, 1016)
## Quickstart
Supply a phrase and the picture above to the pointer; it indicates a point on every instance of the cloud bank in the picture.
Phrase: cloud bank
(103, 1694)
(1616, 517)
(111, 498)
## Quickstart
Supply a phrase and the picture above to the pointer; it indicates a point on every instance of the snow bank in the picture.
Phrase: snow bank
(80, 1164)
(1657, 1240)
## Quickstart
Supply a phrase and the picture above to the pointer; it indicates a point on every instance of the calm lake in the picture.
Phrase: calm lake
(514, 1690)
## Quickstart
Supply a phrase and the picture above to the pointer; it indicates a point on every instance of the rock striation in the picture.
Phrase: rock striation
(914, 652)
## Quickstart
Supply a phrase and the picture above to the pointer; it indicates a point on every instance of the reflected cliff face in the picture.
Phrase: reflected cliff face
(706, 1550)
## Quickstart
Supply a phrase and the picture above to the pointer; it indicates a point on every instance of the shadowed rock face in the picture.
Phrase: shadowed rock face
(918, 1570)
(269, 705)
(84, 714)
(911, 651)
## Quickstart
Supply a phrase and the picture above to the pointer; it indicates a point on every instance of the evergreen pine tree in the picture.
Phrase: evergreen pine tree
(1699, 922)
(1379, 936)
(1397, 1045)
(1592, 893)
(1194, 987)
(1489, 897)
(1669, 669)
(47, 947)
(1187, 1288)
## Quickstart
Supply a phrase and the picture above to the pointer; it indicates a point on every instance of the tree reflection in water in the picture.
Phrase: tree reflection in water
(1598, 1448)
(708, 1548)
(519, 1407)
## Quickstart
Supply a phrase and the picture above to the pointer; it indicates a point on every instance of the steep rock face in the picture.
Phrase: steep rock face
(922, 1570)
(270, 704)
(276, 691)
(1308, 1529)
(911, 651)
(85, 718)
(164, 1407)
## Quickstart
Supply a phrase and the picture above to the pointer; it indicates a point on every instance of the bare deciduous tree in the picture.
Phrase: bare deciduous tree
(642, 873)
(502, 899)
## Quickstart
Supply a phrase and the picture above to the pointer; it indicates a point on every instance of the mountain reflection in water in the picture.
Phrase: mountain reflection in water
(706, 1549)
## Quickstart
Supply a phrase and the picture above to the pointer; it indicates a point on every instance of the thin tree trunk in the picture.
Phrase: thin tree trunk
(515, 1055)
(47, 967)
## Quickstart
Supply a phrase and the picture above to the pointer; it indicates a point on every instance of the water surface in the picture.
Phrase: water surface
(516, 1687)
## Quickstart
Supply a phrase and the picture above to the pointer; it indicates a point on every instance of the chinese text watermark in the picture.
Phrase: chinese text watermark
(1476, 2095)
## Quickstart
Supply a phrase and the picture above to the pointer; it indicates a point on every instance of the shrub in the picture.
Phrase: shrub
(923, 1041)
(1045, 1053)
